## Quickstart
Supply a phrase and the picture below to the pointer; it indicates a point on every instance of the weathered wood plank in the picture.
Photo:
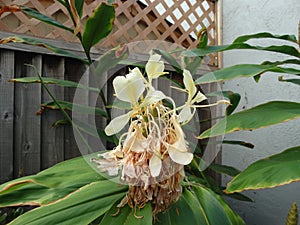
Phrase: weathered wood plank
(27, 135)
(6, 115)
(73, 71)
(52, 145)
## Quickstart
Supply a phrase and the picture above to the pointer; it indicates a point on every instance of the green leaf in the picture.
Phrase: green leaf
(50, 184)
(31, 41)
(37, 15)
(98, 26)
(193, 65)
(260, 116)
(63, 2)
(291, 38)
(293, 81)
(229, 170)
(126, 216)
(241, 143)
(234, 99)
(187, 208)
(170, 59)
(243, 70)
(284, 49)
(80, 207)
(88, 129)
(79, 6)
(200, 206)
(50, 80)
(109, 60)
(217, 210)
(202, 38)
(75, 107)
(292, 218)
(238, 196)
(279, 169)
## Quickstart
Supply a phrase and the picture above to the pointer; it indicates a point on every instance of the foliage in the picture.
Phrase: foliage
(292, 218)
(75, 191)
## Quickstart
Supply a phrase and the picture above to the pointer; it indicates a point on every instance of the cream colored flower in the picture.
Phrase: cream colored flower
(194, 96)
(128, 88)
(155, 67)
(178, 151)
(135, 141)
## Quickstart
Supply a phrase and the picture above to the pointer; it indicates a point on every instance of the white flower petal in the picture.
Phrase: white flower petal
(185, 114)
(153, 96)
(178, 151)
(117, 124)
(155, 165)
(154, 67)
(135, 141)
(130, 87)
(199, 97)
(189, 83)
(183, 158)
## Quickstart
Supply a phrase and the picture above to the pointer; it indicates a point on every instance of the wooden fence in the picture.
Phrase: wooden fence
(29, 142)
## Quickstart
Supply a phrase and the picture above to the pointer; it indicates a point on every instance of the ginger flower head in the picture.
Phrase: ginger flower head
(152, 153)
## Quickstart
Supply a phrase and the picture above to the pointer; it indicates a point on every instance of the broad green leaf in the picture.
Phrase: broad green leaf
(187, 208)
(75, 107)
(37, 15)
(276, 170)
(31, 41)
(200, 206)
(229, 170)
(98, 26)
(260, 116)
(216, 209)
(126, 216)
(243, 70)
(33, 194)
(50, 184)
(50, 80)
(80, 207)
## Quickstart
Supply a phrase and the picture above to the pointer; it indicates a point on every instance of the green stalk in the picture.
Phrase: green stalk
(61, 109)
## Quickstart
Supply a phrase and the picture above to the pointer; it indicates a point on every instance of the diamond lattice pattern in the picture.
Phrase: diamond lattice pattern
(176, 21)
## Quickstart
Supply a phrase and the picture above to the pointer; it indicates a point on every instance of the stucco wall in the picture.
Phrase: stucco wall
(243, 17)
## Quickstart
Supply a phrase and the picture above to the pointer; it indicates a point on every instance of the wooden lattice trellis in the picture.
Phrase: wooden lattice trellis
(176, 21)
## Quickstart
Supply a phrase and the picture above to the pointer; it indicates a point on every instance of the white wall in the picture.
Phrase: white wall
(243, 17)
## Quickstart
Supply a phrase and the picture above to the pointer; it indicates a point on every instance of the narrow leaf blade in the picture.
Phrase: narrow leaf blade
(243, 70)
(37, 15)
(31, 41)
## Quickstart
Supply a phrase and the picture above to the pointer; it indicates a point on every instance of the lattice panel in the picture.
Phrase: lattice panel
(176, 21)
